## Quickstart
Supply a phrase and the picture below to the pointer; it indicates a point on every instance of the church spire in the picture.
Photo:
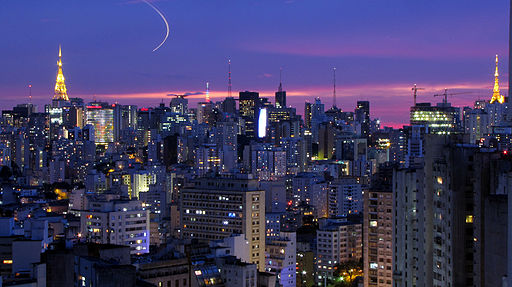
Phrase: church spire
(496, 96)
(60, 85)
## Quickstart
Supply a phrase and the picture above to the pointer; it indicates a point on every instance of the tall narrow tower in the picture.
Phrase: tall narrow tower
(334, 90)
(207, 96)
(229, 78)
(280, 94)
(496, 96)
(61, 92)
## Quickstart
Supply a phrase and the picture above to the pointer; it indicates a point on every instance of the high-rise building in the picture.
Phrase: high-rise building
(208, 159)
(216, 208)
(281, 258)
(338, 240)
(476, 124)
(179, 105)
(439, 119)
(345, 197)
(101, 116)
(268, 162)
(249, 107)
(120, 222)
(308, 114)
(378, 230)
(450, 223)
(362, 114)
(280, 97)
(229, 105)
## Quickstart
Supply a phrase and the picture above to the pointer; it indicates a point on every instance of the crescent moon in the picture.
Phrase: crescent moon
(165, 22)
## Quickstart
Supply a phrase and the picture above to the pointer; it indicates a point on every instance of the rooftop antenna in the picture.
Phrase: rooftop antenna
(30, 93)
(280, 79)
(229, 78)
(207, 96)
(334, 91)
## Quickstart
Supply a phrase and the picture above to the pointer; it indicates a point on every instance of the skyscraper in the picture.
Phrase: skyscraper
(378, 230)
(216, 208)
(249, 109)
(280, 97)
(101, 116)
(363, 117)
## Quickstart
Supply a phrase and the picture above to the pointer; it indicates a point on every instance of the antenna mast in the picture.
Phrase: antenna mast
(280, 79)
(229, 78)
(334, 91)
(30, 93)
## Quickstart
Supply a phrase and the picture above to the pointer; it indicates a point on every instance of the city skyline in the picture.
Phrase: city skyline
(365, 72)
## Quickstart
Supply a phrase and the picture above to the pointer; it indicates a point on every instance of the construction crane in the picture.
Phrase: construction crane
(415, 89)
(446, 94)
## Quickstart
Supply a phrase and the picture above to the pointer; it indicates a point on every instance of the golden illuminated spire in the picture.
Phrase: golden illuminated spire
(61, 92)
(496, 96)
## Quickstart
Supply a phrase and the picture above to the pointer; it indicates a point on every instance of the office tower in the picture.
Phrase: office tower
(205, 113)
(101, 116)
(362, 117)
(229, 105)
(318, 110)
(302, 187)
(476, 124)
(268, 162)
(218, 207)
(326, 134)
(116, 221)
(338, 240)
(208, 159)
(249, 107)
(378, 230)
(280, 97)
(226, 138)
(317, 117)
(439, 119)
(179, 105)
(308, 114)
(345, 197)
(125, 120)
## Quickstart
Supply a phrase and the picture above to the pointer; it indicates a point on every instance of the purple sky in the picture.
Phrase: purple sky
(380, 49)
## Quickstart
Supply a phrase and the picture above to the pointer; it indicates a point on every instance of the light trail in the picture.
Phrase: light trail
(165, 21)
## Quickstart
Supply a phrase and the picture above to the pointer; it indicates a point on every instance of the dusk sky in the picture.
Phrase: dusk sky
(380, 49)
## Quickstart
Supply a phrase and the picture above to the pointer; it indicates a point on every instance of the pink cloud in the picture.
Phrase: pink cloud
(389, 103)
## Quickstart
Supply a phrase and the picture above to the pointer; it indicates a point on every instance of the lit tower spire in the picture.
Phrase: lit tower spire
(207, 96)
(60, 85)
(496, 96)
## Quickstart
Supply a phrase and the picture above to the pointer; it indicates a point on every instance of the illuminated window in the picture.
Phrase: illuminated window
(469, 218)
